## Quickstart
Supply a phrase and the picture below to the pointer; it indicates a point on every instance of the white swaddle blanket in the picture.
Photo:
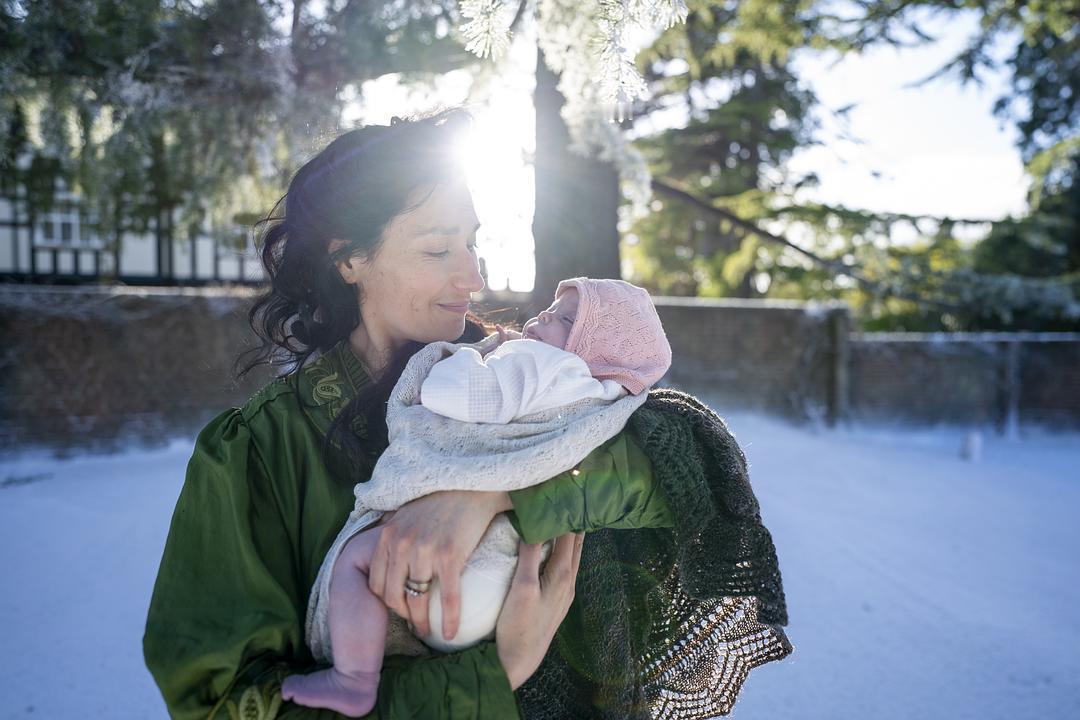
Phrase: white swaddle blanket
(519, 378)
(429, 452)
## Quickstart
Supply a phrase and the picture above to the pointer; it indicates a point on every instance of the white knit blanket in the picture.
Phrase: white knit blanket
(429, 452)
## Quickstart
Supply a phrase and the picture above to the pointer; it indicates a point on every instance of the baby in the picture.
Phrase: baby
(599, 341)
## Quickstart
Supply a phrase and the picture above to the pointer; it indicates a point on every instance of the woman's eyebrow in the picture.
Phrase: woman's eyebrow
(442, 230)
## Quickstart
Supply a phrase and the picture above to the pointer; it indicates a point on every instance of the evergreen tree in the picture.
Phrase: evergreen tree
(727, 68)
(1023, 274)
(147, 105)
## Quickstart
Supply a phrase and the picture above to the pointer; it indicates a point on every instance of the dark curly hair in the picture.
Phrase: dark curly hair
(349, 192)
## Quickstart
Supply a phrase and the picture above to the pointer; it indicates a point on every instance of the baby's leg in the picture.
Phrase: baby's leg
(357, 621)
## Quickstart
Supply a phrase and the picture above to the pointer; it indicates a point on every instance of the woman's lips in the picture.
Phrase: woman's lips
(455, 307)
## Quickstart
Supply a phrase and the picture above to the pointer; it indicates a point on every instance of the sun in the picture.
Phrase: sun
(495, 154)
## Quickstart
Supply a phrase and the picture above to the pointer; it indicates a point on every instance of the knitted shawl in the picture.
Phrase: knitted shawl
(667, 623)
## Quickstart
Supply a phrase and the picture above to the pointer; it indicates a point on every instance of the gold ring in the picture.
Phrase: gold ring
(416, 588)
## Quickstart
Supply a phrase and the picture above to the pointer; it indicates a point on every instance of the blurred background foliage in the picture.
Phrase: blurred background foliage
(730, 67)
(205, 107)
(208, 107)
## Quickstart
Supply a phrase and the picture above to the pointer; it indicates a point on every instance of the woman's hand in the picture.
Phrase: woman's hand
(536, 606)
(430, 537)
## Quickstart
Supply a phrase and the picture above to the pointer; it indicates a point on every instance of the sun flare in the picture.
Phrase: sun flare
(496, 158)
(496, 153)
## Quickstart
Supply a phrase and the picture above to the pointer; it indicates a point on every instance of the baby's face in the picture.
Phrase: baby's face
(552, 326)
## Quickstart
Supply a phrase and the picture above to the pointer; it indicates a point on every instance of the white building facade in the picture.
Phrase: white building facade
(62, 245)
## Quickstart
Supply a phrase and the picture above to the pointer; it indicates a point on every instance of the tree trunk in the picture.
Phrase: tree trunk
(577, 201)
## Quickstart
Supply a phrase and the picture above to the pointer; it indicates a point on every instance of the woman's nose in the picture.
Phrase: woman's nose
(468, 274)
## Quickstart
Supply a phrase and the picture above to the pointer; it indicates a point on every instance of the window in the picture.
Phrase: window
(64, 225)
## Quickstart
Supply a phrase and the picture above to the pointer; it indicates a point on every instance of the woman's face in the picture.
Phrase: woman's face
(552, 326)
(418, 284)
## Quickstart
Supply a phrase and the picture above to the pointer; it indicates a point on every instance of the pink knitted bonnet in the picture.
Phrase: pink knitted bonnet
(618, 333)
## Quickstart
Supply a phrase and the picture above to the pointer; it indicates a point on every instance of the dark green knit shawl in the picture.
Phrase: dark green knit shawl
(638, 590)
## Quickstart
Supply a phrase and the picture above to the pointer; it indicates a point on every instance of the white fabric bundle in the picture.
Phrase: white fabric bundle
(518, 378)
(429, 452)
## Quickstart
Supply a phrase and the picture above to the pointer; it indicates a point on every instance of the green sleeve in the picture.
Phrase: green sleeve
(225, 624)
(613, 487)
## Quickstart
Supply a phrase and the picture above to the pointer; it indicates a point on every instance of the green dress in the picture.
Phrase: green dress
(257, 513)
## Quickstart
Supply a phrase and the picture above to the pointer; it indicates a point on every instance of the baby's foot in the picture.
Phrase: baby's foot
(352, 695)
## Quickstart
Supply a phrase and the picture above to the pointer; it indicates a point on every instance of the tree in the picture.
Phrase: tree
(227, 97)
(577, 201)
(204, 107)
(585, 80)
(746, 114)
(938, 283)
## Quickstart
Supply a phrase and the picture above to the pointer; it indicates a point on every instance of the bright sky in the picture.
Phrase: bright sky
(938, 148)
(935, 150)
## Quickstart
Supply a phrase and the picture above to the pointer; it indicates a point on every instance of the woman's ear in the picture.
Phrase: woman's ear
(348, 267)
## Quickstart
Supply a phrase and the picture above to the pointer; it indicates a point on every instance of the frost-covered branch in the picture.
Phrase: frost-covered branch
(585, 43)
(486, 28)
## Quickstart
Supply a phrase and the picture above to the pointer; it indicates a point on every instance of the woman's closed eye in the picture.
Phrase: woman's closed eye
(471, 247)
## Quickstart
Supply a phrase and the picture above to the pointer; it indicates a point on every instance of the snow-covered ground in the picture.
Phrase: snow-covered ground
(919, 584)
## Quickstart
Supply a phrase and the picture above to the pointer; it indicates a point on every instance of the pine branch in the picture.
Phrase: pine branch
(674, 189)
(1011, 290)
(893, 217)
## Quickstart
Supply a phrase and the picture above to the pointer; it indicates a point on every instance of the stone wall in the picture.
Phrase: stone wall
(991, 379)
(782, 357)
(778, 357)
(98, 367)
(103, 366)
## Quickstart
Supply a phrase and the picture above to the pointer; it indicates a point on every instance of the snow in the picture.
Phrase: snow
(919, 584)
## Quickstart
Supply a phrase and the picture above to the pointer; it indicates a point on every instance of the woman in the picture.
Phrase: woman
(374, 257)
